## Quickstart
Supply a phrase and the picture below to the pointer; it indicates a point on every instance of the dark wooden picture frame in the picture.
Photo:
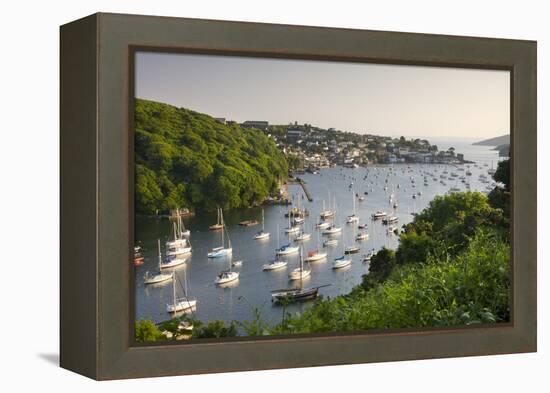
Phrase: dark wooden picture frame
(97, 194)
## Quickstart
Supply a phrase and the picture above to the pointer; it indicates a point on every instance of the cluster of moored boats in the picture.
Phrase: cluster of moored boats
(178, 249)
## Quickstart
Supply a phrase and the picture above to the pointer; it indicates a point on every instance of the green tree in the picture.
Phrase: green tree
(188, 159)
(502, 174)
(380, 267)
(147, 331)
(214, 329)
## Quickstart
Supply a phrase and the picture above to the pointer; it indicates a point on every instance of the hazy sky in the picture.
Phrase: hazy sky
(364, 98)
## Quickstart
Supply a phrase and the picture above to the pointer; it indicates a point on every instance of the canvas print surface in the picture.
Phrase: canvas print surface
(279, 197)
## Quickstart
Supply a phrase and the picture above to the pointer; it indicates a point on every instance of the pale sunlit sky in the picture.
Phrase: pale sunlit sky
(380, 99)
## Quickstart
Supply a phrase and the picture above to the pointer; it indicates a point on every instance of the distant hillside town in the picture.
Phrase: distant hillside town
(314, 147)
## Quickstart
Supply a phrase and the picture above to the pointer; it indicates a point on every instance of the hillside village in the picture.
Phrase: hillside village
(314, 147)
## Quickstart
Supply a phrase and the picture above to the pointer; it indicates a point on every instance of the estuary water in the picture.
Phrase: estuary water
(335, 186)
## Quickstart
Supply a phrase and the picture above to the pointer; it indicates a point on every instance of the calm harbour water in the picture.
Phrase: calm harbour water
(252, 289)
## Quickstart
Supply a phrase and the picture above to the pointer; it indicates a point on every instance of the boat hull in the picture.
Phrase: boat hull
(288, 251)
(342, 263)
(316, 257)
(182, 306)
(173, 263)
(221, 253)
(157, 279)
(261, 236)
(226, 279)
(297, 274)
(298, 295)
(274, 266)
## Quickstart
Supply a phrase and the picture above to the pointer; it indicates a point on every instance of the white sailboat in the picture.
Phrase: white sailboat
(286, 249)
(332, 229)
(262, 234)
(322, 224)
(342, 261)
(159, 277)
(303, 236)
(172, 262)
(226, 276)
(379, 214)
(352, 218)
(390, 220)
(218, 225)
(274, 265)
(222, 251)
(183, 232)
(179, 246)
(326, 213)
(300, 272)
(291, 228)
(317, 254)
(352, 249)
(184, 305)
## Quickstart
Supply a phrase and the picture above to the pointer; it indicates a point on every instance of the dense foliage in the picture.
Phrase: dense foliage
(500, 197)
(188, 159)
(147, 331)
(472, 287)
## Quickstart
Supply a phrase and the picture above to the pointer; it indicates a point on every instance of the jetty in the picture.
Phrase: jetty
(302, 183)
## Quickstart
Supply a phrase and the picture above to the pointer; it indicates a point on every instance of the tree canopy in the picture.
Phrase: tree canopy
(188, 159)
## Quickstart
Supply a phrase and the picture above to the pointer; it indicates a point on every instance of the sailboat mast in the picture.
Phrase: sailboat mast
(178, 222)
(174, 289)
(223, 228)
(180, 225)
(185, 282)
(343, 242)
(263, 221)
(160, 256)
(301, 266)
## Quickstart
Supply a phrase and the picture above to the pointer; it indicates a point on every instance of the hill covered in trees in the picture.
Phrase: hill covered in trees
(188, 159)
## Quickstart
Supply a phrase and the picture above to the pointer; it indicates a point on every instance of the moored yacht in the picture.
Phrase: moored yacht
(341, 262)
(287, 250)
(262, 234)
(322, 225)
(222, 251)
(274, 265)
(331, 230)
(379, 214)
(226, 276)
(184, 304)
(159, 277)
(315, 255)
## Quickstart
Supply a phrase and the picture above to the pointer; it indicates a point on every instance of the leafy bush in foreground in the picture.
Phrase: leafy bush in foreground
(472, 287)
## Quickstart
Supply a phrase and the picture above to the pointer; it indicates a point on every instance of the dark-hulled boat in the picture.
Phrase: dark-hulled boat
(296, 294)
